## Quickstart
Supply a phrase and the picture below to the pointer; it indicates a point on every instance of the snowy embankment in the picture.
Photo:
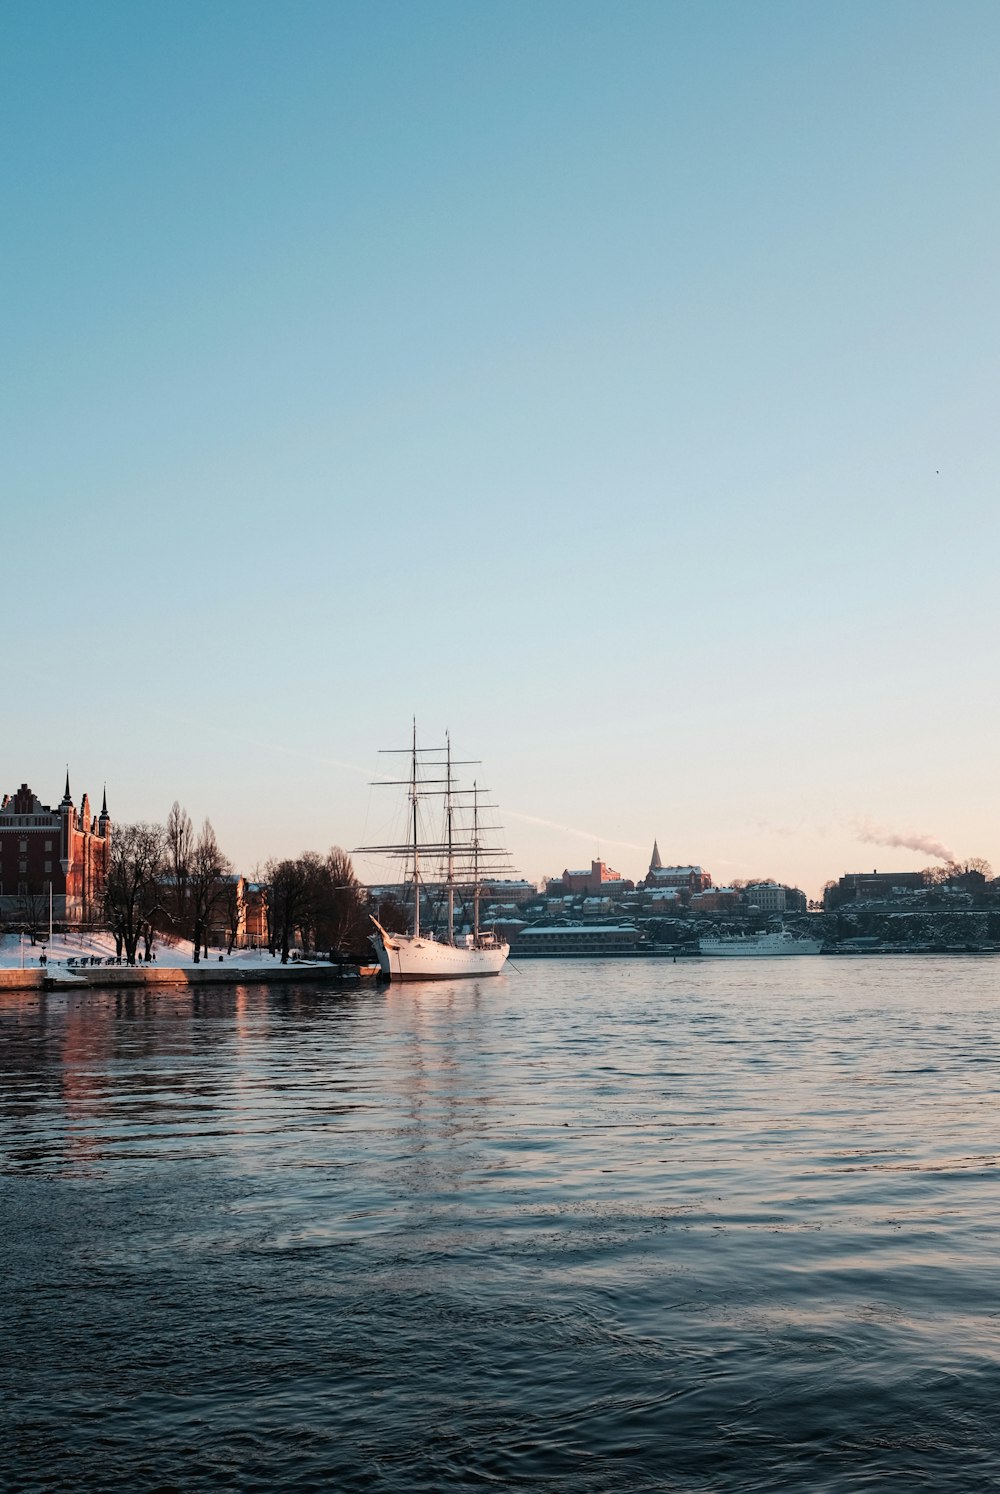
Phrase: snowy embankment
(71, 951)
(90, 958)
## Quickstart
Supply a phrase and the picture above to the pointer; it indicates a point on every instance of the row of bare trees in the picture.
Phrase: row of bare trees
(166, 879)
(317, 900)
(169, 879)
(200, 887)
(132, 895)
(968, 872)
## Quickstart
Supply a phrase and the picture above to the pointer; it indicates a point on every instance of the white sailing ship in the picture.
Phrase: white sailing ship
(464, 859)
(750, 946)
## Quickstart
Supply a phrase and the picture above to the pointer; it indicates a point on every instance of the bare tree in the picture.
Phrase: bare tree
(132, 885)
(205, 885)
(179, 855)
(33, 909)
(347, 914)
(322, 900)
(265, 880)
(233, 907)
(289, 893)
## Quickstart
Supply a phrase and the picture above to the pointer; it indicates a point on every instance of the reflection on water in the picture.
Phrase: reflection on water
(584, 1227)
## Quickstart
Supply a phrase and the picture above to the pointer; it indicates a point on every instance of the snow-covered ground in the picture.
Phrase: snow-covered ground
(101, 947)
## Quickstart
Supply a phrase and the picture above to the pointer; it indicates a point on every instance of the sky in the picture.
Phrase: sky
(614, 386)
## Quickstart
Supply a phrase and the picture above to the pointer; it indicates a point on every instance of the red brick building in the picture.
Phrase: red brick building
(62, 849)
(596, 879)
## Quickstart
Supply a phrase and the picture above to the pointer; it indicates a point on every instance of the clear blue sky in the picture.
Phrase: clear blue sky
(614, 384)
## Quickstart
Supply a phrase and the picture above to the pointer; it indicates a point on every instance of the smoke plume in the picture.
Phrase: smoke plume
(910, 840)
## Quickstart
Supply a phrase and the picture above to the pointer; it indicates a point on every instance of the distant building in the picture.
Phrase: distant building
(663, 897)
(769, 897)
(508, 928)
(511, 890)
(686, 878)
(875, 885)
(596, 908)
(574, 939)
(251, 903)
(63, 852)
(795, 900)
(717, 900)
(598, 878)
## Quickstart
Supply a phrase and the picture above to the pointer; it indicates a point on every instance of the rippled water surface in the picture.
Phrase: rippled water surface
(588, 1226)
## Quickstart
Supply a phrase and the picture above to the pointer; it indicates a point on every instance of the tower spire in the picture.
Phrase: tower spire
(655, 864)
(104, 804)
(67, 796)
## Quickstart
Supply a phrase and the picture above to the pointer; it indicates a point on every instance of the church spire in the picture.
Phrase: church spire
(104, 804)
(655, 864)
(67, 796)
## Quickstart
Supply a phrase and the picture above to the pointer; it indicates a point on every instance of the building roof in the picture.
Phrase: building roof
(578, 929)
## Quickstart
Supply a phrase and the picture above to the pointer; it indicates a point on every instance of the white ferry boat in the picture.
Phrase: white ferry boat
(755, 946)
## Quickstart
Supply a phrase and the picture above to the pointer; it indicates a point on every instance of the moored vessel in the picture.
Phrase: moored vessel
(750, 946)
(464, 858)
(427, 957)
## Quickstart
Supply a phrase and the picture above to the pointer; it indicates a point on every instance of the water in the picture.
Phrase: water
(586, 1227)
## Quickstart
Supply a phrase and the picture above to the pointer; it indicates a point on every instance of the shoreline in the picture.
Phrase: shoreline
(171, 975)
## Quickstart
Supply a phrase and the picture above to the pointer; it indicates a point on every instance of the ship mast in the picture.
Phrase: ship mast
(459, 851)
(416, 849)
(451, 842)
(475, 862)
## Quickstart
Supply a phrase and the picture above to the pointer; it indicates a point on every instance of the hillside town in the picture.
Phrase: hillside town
(148, 885)
(951, 907)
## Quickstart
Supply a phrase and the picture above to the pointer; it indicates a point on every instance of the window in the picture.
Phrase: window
(48, 867)
(24, 846)
(22, 867)
(48, 845)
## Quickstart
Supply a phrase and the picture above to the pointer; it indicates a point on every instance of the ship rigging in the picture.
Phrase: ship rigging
(463, 859)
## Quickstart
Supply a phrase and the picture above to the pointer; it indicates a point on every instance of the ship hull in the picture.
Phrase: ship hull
(409, 957)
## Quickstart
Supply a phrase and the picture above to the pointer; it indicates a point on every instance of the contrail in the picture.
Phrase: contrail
(335, 762)
(912, 840)
(591, 835)
(235, 736)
